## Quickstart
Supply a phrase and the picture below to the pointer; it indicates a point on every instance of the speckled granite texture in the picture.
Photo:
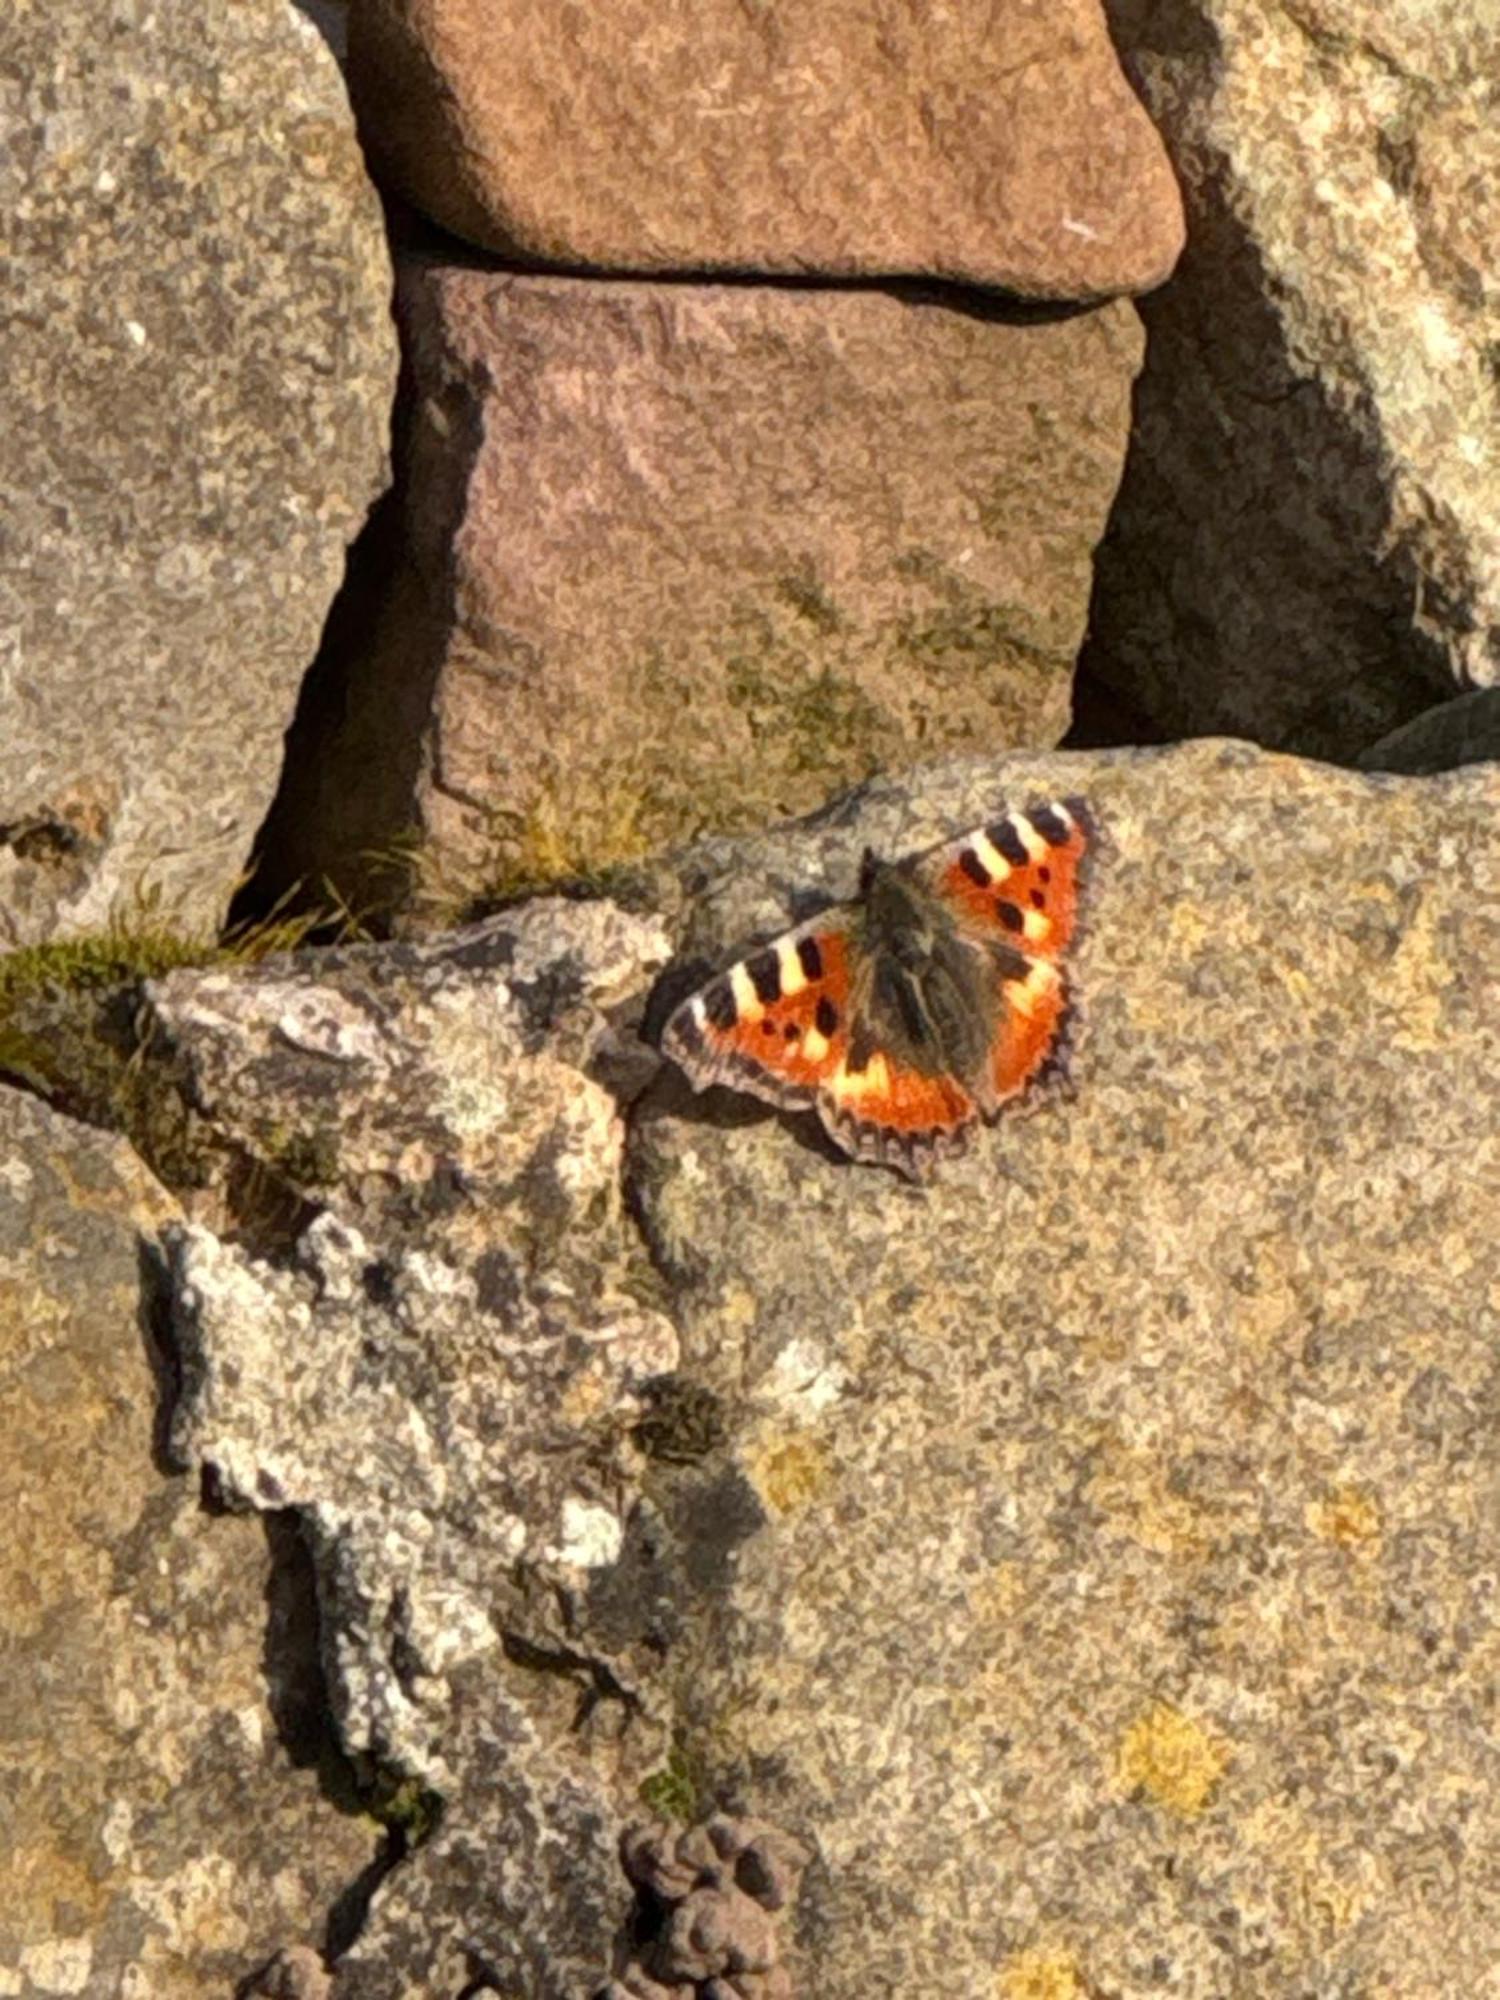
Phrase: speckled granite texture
(1119, 1595)
(1306, 548)
(199, 361)
(164, 1821)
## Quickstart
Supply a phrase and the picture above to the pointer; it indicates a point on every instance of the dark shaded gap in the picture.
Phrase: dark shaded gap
(154, 1320)
(417, 235)
(336, 841)
(326, 819)
(1463, 731)
(297, 1697)
(292, 1665)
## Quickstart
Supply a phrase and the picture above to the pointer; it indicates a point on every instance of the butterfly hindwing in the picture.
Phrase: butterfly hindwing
(778, 1024)
(888, 1112)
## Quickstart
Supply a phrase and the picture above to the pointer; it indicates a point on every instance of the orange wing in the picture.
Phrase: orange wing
(1033, 1028)
(778, 1025)
(775, 1024)
(1017, 879)
(877, 1110)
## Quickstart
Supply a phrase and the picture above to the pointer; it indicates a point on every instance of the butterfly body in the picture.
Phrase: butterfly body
(924, 990)
(923, 1005)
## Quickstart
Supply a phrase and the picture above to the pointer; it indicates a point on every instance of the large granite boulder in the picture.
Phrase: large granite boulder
(199, 363)
(164, 1761)
(680, 556)
(997, 146)
(1120, 1510)
(1068, 1576)
(1306, 547)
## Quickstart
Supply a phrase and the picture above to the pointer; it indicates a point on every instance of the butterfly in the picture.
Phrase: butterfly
(925, 1004)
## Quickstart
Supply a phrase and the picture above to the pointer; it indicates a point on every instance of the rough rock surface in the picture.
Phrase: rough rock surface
(164, 1822)
(1306, 548)
(442, 1379)
(689, 556)
(999, 146)
(199, 361)
(1119, 1599)
(716, 1891)
(1086, 1559)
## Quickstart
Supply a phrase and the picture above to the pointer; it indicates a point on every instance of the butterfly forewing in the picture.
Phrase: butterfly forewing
(1017, 877)
(775, 1023)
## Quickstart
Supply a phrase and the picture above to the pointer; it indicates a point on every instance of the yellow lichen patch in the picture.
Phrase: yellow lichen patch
(57, 1889)
(790, 1472)
(999, 1594)
(591, 1393)
(1415, 979)
(1188, 924)
(1347, 1515)
(1323, 1899)
(1040, 1975)
(1173, 1759)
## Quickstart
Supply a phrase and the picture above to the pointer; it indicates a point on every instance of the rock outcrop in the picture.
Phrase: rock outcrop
(1465, 730)
(1305, 548)
(1113, 1590)
(443, 1380)
(994, 146)
(1082, 1558)
(164, 1757)
(199, 367)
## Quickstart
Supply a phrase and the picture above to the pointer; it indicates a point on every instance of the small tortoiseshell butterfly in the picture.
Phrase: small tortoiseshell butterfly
(928, 1002)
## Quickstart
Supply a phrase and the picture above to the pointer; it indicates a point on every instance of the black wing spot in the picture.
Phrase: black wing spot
(1009, 915)
(765, 975)
(810, 958)
(768, 1027)
(719, 1005)
(826, 1019)
(1044, 873)
(1038, 900)
(975, 869)
(1050, 825)
(1004, 836)
(792, 1031)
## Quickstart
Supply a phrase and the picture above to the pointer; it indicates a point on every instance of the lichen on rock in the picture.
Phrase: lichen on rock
(1123, 1487)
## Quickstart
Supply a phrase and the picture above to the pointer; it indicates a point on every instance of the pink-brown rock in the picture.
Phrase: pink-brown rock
(688, 557)
(996, 144)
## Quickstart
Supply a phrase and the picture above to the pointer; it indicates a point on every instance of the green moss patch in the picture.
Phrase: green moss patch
(71, 1028)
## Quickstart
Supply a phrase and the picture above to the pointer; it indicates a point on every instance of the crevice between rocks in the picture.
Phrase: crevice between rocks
(337, 838)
